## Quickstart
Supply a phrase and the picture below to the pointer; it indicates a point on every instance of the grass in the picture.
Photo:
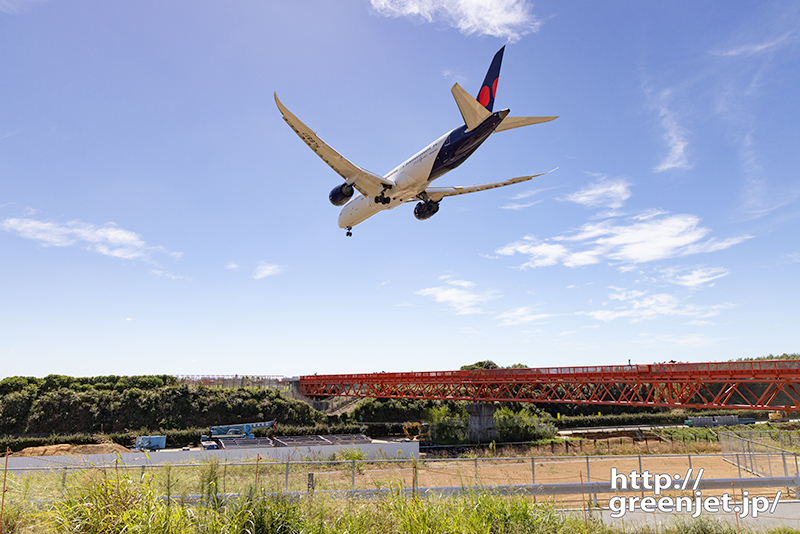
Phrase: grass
(124, 504)
(158, 499)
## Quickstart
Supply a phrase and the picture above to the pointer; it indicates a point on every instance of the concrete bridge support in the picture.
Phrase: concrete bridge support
(481, 422)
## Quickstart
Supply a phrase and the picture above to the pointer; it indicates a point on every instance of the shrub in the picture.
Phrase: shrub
(521, 426)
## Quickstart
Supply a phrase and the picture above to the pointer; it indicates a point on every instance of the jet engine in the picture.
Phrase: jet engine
(340, 194)
(425, 210)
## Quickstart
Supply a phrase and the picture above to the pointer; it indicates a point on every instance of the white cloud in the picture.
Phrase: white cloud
(696, 278)
(542, 254)
(109, 240)
(639, 305)
(751, 49)
(266, 269)
(232, 266)
(458, 295)
(521, 315)
(517, 206)
(531, 192)
(690, 341)
(12, 7)
(508, 19)
(165, 274)
(639, 240)
(674, 135)
(605, 193)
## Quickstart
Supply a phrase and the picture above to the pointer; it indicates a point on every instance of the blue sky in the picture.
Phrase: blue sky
(158, 216)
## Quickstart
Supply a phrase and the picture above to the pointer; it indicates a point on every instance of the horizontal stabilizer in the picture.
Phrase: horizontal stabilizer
(509, 123)
(471, 110)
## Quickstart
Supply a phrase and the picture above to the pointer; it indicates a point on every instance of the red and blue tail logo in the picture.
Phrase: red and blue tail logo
(489, 87)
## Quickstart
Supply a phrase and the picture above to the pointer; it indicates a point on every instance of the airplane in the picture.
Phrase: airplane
(410, 181)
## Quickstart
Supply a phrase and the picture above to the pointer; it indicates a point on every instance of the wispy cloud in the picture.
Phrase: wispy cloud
(638, 306)
(109, 240)
(702, 276)
(657, 236)
(524, 195)
(750, 49)
(674, 134)
(507, 19)
(12, 7)
(518, 206)
(521, 315)
(165, 274)
(233, 266)
(603, 193)
(728, 82)
(265, 269)
(696, 341)
(458, 295)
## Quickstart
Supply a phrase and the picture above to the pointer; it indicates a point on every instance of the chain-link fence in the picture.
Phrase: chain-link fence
(763, 453)
(542, 477)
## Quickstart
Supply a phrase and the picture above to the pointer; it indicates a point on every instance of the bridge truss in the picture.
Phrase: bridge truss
(755, 385)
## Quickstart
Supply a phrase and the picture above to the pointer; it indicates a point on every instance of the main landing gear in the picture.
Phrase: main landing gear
(382, 198)
(349, 231)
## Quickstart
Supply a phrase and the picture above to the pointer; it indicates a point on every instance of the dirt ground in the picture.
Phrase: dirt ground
(67, 449)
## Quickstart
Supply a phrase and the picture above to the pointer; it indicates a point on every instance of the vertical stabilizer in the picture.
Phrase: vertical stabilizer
(489, 88)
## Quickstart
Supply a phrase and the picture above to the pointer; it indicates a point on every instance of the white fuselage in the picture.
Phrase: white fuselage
(410, 178)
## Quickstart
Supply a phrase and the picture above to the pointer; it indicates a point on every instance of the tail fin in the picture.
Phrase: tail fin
(489, 88)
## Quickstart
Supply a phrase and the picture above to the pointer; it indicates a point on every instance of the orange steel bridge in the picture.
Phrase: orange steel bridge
(756, 385)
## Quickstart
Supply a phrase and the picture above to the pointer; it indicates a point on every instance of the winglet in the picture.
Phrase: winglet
(489, 88)
(471, 110)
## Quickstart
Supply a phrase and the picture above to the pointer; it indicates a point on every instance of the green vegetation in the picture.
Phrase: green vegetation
(486, 364)
(523, 425)
(117, 503)
(65, 405)
(784, 356)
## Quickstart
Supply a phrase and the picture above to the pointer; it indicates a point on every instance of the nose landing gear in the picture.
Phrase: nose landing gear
(349, 232)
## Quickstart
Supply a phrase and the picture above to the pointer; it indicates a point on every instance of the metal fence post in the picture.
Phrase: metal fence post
(476, 471)
(797, 474)
(353, 477)
(287, 476)
(785, 470)
(640, 469)
(589, 479)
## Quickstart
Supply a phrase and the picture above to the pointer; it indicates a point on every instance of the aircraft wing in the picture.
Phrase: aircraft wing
(438, 193)
(367, 183)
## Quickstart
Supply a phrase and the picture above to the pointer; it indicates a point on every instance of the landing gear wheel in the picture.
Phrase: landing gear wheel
(349, 232)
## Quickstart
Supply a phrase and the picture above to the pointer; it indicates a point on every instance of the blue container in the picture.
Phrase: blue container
(151, 443)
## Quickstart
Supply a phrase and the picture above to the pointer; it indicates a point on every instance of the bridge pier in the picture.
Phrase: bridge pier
(481, 422)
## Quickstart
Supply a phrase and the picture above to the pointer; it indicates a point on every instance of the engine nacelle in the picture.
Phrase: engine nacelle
(340, 194)
(425, 210)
